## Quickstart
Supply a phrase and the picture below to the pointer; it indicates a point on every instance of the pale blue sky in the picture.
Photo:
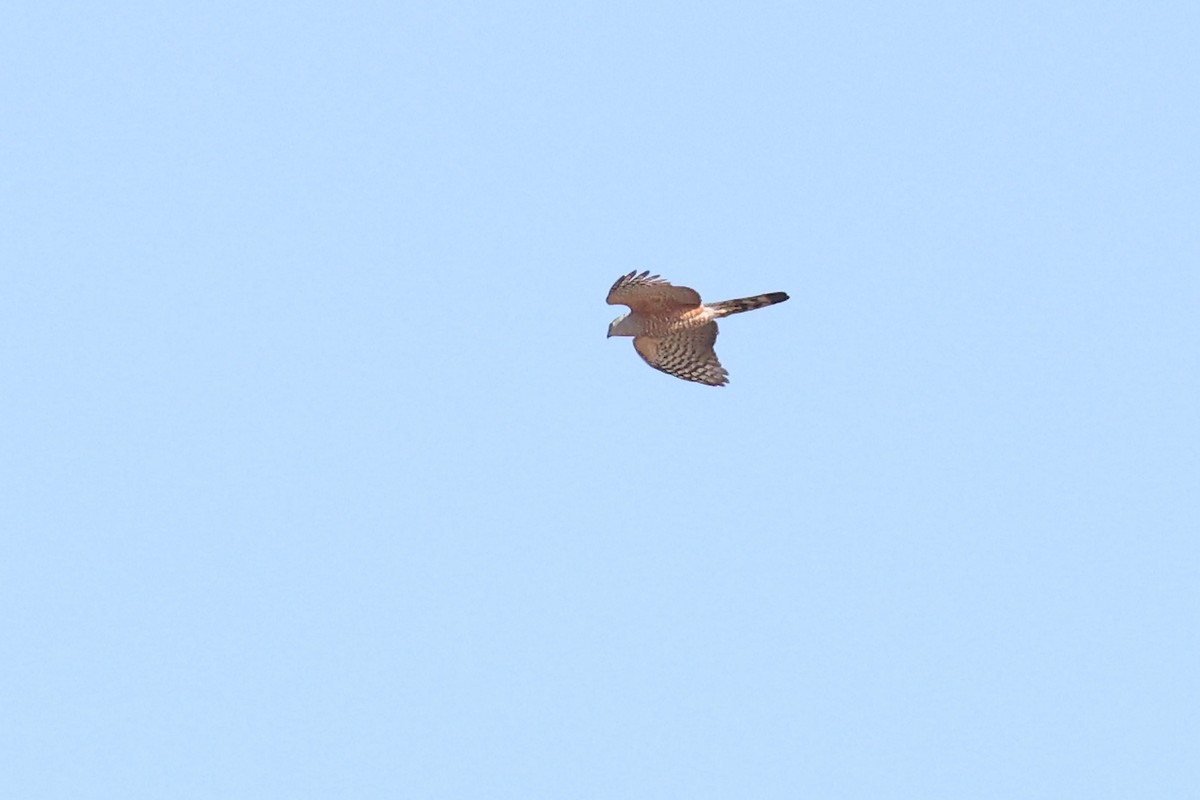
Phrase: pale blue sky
(320, 478)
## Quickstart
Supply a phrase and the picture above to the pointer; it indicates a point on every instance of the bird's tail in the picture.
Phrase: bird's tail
(727, 307)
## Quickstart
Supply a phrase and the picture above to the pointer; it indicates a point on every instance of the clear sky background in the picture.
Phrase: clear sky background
(320, 479)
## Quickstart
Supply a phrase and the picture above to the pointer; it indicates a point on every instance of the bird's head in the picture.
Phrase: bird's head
(614, 327)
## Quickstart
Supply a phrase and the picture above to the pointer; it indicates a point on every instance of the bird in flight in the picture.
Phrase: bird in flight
(672, 330)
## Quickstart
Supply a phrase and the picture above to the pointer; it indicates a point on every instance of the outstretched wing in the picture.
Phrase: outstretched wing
(650, 294)
(687, 354)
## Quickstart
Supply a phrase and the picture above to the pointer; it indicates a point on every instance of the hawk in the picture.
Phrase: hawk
(672, 330)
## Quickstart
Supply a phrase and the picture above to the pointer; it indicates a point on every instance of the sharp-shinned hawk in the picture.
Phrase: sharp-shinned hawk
(672, 330)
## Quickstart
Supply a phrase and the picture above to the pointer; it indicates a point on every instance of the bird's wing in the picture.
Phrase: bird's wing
(687, 354)
(650, 294)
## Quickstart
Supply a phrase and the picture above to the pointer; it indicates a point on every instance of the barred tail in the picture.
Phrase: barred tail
(727, 307)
